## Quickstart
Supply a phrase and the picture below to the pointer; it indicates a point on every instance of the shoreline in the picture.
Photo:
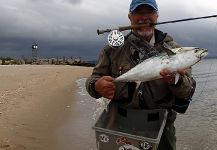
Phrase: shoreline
(34, 102)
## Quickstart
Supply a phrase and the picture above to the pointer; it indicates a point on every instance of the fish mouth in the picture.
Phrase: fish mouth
(204, 53)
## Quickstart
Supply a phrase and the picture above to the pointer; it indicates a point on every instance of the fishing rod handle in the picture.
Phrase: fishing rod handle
(103, 31)
(109, 30)
(123, 28)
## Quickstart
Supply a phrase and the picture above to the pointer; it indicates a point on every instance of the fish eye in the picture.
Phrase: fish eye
(196, 49)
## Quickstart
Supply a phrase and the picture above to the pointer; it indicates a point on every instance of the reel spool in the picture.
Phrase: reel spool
(115, 38)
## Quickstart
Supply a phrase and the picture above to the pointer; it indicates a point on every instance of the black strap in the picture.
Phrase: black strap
(131, 89)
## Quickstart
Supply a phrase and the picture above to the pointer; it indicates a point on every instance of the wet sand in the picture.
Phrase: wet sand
(34, 102)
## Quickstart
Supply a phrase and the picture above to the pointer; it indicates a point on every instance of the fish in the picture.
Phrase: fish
(150, 68)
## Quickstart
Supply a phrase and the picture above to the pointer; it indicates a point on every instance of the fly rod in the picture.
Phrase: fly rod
(150, 24)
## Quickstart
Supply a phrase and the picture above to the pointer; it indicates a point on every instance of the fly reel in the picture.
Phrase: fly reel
(115, 38)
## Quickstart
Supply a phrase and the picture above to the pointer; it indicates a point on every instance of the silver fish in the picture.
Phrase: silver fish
(149, 69)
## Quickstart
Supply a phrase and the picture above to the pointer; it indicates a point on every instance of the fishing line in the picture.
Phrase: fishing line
(205, 84)
(209, 75)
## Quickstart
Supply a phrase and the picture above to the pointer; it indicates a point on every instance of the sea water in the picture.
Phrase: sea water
(195, 130)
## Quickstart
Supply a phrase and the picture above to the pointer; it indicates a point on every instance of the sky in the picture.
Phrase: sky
(68, 27)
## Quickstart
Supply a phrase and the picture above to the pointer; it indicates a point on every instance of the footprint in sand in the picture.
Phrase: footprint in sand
(13, 147)
(4, 146)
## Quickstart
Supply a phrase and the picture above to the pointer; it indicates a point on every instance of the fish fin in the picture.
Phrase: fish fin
(168, 49)
(177, 77)
(156, 57)
(137, 84)
(106, 102)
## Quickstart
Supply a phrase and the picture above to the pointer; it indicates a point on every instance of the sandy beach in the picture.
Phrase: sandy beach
(34, 101)
(46, 107)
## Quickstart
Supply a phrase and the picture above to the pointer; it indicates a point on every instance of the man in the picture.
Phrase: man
(139, 45)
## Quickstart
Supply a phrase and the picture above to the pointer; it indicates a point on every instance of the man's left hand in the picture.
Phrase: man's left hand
(169, 76)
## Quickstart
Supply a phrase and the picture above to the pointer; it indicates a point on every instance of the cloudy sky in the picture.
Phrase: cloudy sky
(68, 27)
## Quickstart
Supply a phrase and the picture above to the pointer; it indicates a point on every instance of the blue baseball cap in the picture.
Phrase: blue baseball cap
(135, 3)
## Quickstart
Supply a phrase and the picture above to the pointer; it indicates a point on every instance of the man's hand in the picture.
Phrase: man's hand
(169, 77)
(105, 87)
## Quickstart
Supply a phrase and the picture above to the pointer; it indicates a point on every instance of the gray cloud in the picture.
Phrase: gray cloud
(73, 1)
(57, 1)
(68, 27)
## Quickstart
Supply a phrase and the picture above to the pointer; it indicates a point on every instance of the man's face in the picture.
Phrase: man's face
(144, 14)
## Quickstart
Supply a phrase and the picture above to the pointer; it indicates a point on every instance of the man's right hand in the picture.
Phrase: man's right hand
(105, 87)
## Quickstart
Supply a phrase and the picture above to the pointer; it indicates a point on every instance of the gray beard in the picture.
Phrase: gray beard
(145, 34)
